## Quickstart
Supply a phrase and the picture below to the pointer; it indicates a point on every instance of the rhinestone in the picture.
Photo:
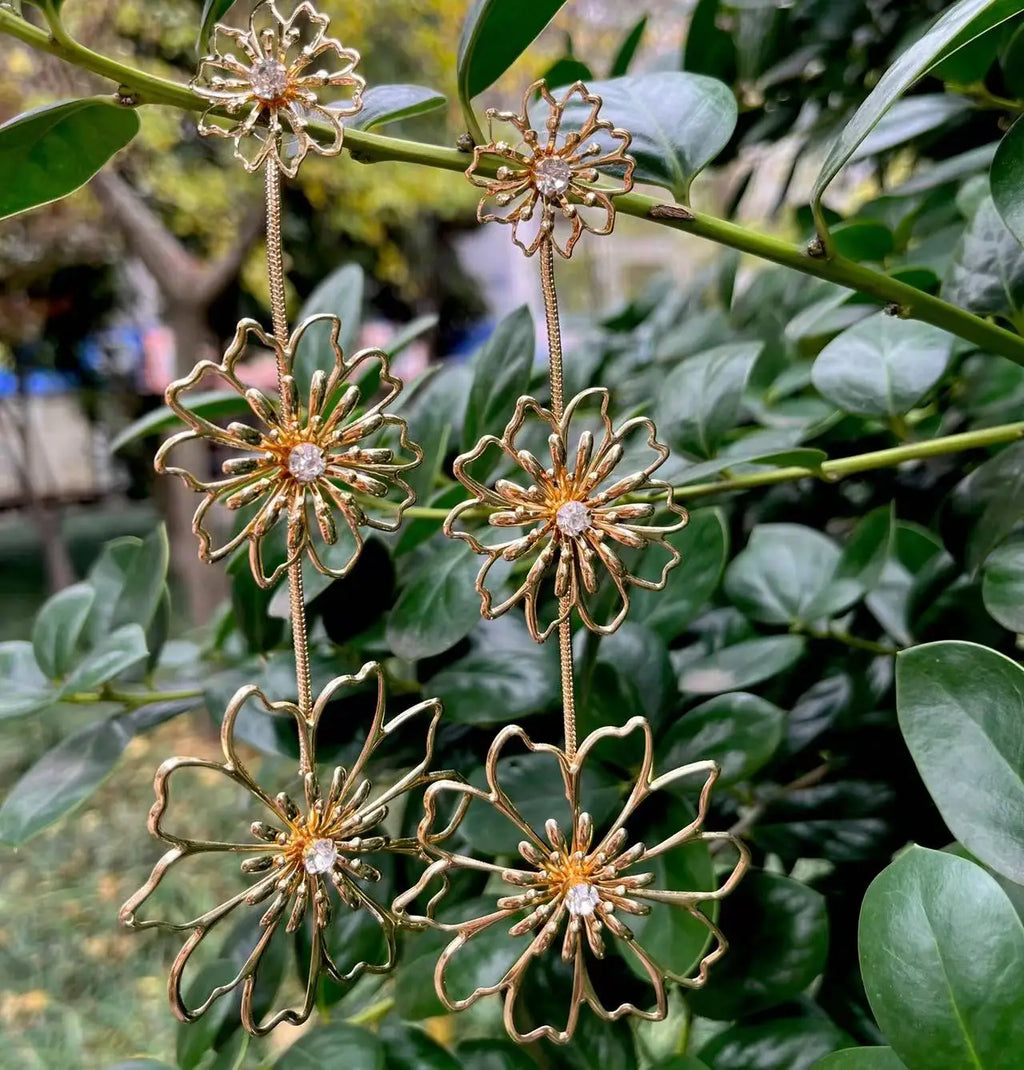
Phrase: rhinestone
(320, 856)
(552, 176)
(306, 462)
(581, 899)
(268, 78)
(573, 518)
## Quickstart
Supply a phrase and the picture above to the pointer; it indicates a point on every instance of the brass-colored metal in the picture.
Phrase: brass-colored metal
(581, 475)
(272, 93)
(356, 475)
(348, 816)
(564, 178)
(575, 884)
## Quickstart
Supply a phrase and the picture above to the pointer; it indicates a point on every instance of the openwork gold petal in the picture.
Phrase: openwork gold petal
(568, 897)
(571, 526)
(304, 859)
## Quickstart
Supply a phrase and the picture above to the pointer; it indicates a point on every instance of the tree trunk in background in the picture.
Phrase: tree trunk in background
(188, 287)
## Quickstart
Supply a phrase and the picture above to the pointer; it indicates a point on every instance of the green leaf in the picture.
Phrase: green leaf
(438, 605)
(25, 689)
(908, 119)
(494, 35)
(810, 459)
(50, 152)
(408, 1048)
(861, 563)
(384, 104)
(110, 657)
(680, 1062)
(501, 373)
(504, 677)
(129, 578)
(61, 780)
(742, 665)
(863, 240)
(698, 403)
(492, 1054)
(778, 944)
(961, 709)
(704, 545)
(627, 50)
(778, 1044)
(782, 575)
(992, 499)
(882, 366)
(1003, 585)
(1007, 178)
(140, 1064)
(942, 955)
(986, 275)
(957, 26)
(58, 627)
(341, 295)
(709, 49)
(680, 122)
(738, 730)
(861, 1059)
(195, 1039)
(213, 12)
(567, 70)
(338, 1045)
(214, 405)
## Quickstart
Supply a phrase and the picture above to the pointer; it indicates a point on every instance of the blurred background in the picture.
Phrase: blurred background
(109, 294)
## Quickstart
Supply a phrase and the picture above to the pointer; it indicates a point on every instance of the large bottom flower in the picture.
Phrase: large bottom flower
(302, 861)
(574, 891)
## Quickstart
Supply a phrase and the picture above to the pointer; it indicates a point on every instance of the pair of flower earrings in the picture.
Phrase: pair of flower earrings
(326, 447)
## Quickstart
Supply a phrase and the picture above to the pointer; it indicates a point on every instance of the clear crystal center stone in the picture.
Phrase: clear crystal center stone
(320, 856)
(573, 518)
(306, 462)
(552, 176)
(268, 78)
(582, 899)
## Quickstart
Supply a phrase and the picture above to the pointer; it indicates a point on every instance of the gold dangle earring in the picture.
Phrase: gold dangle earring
(316, 451)
(579, 525)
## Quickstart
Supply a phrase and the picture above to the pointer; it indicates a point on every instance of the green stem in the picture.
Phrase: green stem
(373, 1014)
(906, 300)
(852, 641)
(132, 699)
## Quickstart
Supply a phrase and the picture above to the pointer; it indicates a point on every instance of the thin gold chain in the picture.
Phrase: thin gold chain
(279, 317)
(547, 282)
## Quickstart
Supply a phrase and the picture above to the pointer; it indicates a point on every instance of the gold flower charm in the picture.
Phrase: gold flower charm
(574, 508)
(270, 91)
(575, 886)
(296, 461)
(304, 861)
(559, 175)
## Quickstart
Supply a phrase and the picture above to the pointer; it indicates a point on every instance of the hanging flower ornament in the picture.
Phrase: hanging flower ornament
(573, 512)
(303, 861)
(271, 91)
(561, 176)
(299, 463)
(576, 886)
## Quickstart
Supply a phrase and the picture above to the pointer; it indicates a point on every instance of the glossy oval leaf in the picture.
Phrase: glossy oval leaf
(61, 780)
(957, 26)
(110, 657)
(383, 104)
(1007, 178)
(627, 50)
(742, 665)
(738, 730)
(883, 366)
(341, 295)
(494, 35)
(58, 627)
(1002, 585)
(778, 945)
(213, 12)
(26, 689)
(861, 1059)
(778, 1044)
(680, 122)
(49, 152)
(334, 1045)
(942, 957)
(986, 275)
(961, 710)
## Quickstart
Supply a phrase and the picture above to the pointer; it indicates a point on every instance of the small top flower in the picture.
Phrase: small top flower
(301, 862)
(560, 175)
(573, 883)
(571, 514)
(270, 92)
(300, 462)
